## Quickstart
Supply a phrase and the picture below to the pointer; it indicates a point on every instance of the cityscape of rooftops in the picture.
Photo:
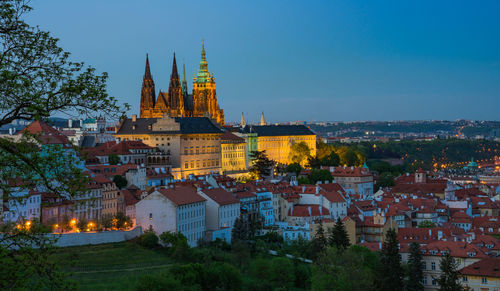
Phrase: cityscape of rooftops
(259, 145)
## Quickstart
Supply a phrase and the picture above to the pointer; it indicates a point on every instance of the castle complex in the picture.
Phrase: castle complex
(177, 102)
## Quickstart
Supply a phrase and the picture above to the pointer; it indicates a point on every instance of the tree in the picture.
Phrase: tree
(449, 279)
(113, 159)
(65, 224)
(37, 80)
(120, 181)
(332, 160)
(149, 239)
(240, 230)
(319, 241)
(338, 236)
(240, 251)
(391, 273)
(350, 158)
(82, 224)
(415, 273)
(353, 269)
(261, 164)
(319, 175)
(107, 221)
(300, 153)
(121, 221)
(426, 224)
(176, 243)
(294, 168)
(384, 180)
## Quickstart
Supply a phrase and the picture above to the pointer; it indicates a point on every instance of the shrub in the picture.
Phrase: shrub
(149, 240)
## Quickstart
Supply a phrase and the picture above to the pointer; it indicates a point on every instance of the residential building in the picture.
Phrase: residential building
(482, 275)
(222, 210)
(178, 209)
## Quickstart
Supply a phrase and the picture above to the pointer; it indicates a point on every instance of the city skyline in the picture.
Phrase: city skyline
(298, 61)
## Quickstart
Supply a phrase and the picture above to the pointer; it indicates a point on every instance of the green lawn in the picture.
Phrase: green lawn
(111, 266)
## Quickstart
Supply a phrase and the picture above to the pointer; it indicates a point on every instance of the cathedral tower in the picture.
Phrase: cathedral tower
(175, 97)
(147, 93)
(204, 94)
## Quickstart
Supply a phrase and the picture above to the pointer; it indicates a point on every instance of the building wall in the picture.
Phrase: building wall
(278, 147)
(191, 221)
(233, 156)
(200, 154)
(27, 208)
(157, 212)
(89, 205)
(110, 203)
(228, 214)
(480, 283)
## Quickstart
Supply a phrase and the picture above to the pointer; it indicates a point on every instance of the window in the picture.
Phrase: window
(424, 280)
(151, 216)
(484, 280)
(434, 282)
(433, 266)
(464, 278)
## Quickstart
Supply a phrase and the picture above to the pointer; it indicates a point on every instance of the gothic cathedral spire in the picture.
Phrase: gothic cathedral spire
(175, 98)
(242, 122)
(147, 92)
(184, 82)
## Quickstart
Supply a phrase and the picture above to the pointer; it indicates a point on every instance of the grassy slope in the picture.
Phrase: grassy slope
(111, 266)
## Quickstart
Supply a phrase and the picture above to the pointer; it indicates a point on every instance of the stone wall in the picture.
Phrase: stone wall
(95, 238)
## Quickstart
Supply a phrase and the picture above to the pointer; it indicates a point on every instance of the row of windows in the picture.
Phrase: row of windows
(204, 150)
(234, 155)
(197, 138)
(204, 163)
(191, 225)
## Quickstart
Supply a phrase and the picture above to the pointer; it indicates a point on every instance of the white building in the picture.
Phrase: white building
(334, 201)
(178, 209)
(222, 208)
(23, 205)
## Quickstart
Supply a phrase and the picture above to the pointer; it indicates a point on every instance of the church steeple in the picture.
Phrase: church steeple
(203, 74)
(262, 119)
(175, 98)
(184, 82)
(147, 92)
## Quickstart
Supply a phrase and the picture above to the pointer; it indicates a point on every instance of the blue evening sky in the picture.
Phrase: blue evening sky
(297, 60)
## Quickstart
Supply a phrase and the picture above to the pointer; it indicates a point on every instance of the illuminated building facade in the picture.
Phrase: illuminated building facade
(193, 143)
(233, 154)
(177, 102)
(277, 140)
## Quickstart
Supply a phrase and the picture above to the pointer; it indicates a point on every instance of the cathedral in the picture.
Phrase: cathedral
(177, 102)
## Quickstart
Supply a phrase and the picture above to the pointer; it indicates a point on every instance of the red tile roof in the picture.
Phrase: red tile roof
(306, 210)
(182, 195)
(488, 267)
(47, 134)
(220, 196)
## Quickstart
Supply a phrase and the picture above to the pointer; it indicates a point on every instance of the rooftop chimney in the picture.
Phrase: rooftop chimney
(134, 117)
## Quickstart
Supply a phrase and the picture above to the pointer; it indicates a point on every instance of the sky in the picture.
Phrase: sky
(297, 60)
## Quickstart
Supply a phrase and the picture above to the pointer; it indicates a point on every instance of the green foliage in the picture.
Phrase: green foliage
(176, 243)
(121, 221)
(82, 224)
(294, 168)
(240, 230)
(319, 175)
(450, 276)
(261, 164)
(426, 224)
(65, 224)
(303, 181)
(215, 276)
(300, 153)
(28, 267)
(271, 274)
(107, 221)
(120, 181)
(149, 240)
(352, 269)
(415, 273)
(113, 159)
(241, 252)
(338, 236)
(385, 179)
(319, 241)
(391, 272)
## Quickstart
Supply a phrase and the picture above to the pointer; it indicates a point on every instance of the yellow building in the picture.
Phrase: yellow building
(277, 140)
(192, 143)
(233, 154)
(482, 275)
